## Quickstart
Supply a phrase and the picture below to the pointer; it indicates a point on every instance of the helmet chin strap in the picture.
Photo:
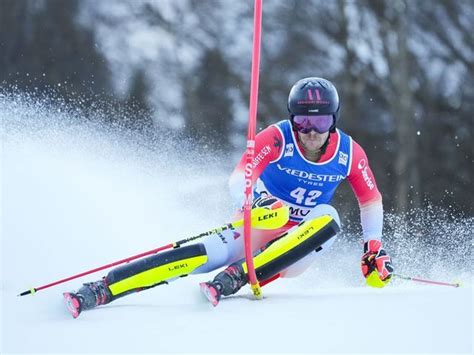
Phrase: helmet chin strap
(325, 145)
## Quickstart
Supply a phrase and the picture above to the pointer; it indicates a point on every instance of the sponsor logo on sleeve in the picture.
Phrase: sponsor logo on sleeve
(368, 180)
(258, 158)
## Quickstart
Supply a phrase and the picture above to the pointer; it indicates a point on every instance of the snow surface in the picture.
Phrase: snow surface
(75, 197)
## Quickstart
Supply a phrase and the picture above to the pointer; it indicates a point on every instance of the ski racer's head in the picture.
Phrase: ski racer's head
(313, 105)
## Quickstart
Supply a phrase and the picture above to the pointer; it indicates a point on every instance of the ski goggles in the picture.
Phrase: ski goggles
(305, 124)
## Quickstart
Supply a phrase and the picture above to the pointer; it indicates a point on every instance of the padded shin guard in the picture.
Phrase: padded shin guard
(293, 246)
(156, 269)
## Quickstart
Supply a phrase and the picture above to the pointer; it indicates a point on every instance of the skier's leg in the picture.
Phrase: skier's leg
(214, 252)
(301, 265)
(136, 276)
(313, 235)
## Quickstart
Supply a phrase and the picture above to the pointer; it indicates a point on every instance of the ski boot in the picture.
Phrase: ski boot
(225, 283)
(89, 296)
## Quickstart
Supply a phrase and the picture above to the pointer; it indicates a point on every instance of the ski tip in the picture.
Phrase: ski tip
(72, 304)
(210, 292)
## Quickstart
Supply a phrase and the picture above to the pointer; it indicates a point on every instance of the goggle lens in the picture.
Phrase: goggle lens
(305, 124)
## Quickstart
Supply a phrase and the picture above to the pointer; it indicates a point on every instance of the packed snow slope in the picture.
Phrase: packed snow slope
(76, 196)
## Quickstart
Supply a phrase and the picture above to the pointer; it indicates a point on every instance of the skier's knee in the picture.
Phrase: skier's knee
(219, 248)
(303, 264)
(324, 209)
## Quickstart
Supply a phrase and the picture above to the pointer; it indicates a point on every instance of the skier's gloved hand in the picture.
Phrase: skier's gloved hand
(267, 201)
(376, 264)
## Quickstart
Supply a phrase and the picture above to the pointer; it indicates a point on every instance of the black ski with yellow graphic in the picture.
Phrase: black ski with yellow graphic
(293, 246)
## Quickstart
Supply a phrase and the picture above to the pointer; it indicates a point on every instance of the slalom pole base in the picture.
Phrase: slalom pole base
(257, 291)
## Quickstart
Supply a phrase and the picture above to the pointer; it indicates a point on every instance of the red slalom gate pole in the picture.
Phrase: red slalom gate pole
(257, 27)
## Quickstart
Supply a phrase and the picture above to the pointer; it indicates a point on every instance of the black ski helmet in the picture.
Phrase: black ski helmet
(314, 96)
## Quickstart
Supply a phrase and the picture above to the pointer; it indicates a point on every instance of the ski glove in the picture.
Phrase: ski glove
(267, 201)
(376, 264)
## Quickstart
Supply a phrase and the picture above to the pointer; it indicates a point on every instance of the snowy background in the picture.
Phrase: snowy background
(404, 71)
(122, 119)
(77, 196)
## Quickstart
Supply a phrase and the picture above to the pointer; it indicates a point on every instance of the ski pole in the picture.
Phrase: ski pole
(262, 219)
(431, 282)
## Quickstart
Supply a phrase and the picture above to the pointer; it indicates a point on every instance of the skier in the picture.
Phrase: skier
(299, 163)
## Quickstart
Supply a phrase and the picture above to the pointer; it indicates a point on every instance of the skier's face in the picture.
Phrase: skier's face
(313, 141)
